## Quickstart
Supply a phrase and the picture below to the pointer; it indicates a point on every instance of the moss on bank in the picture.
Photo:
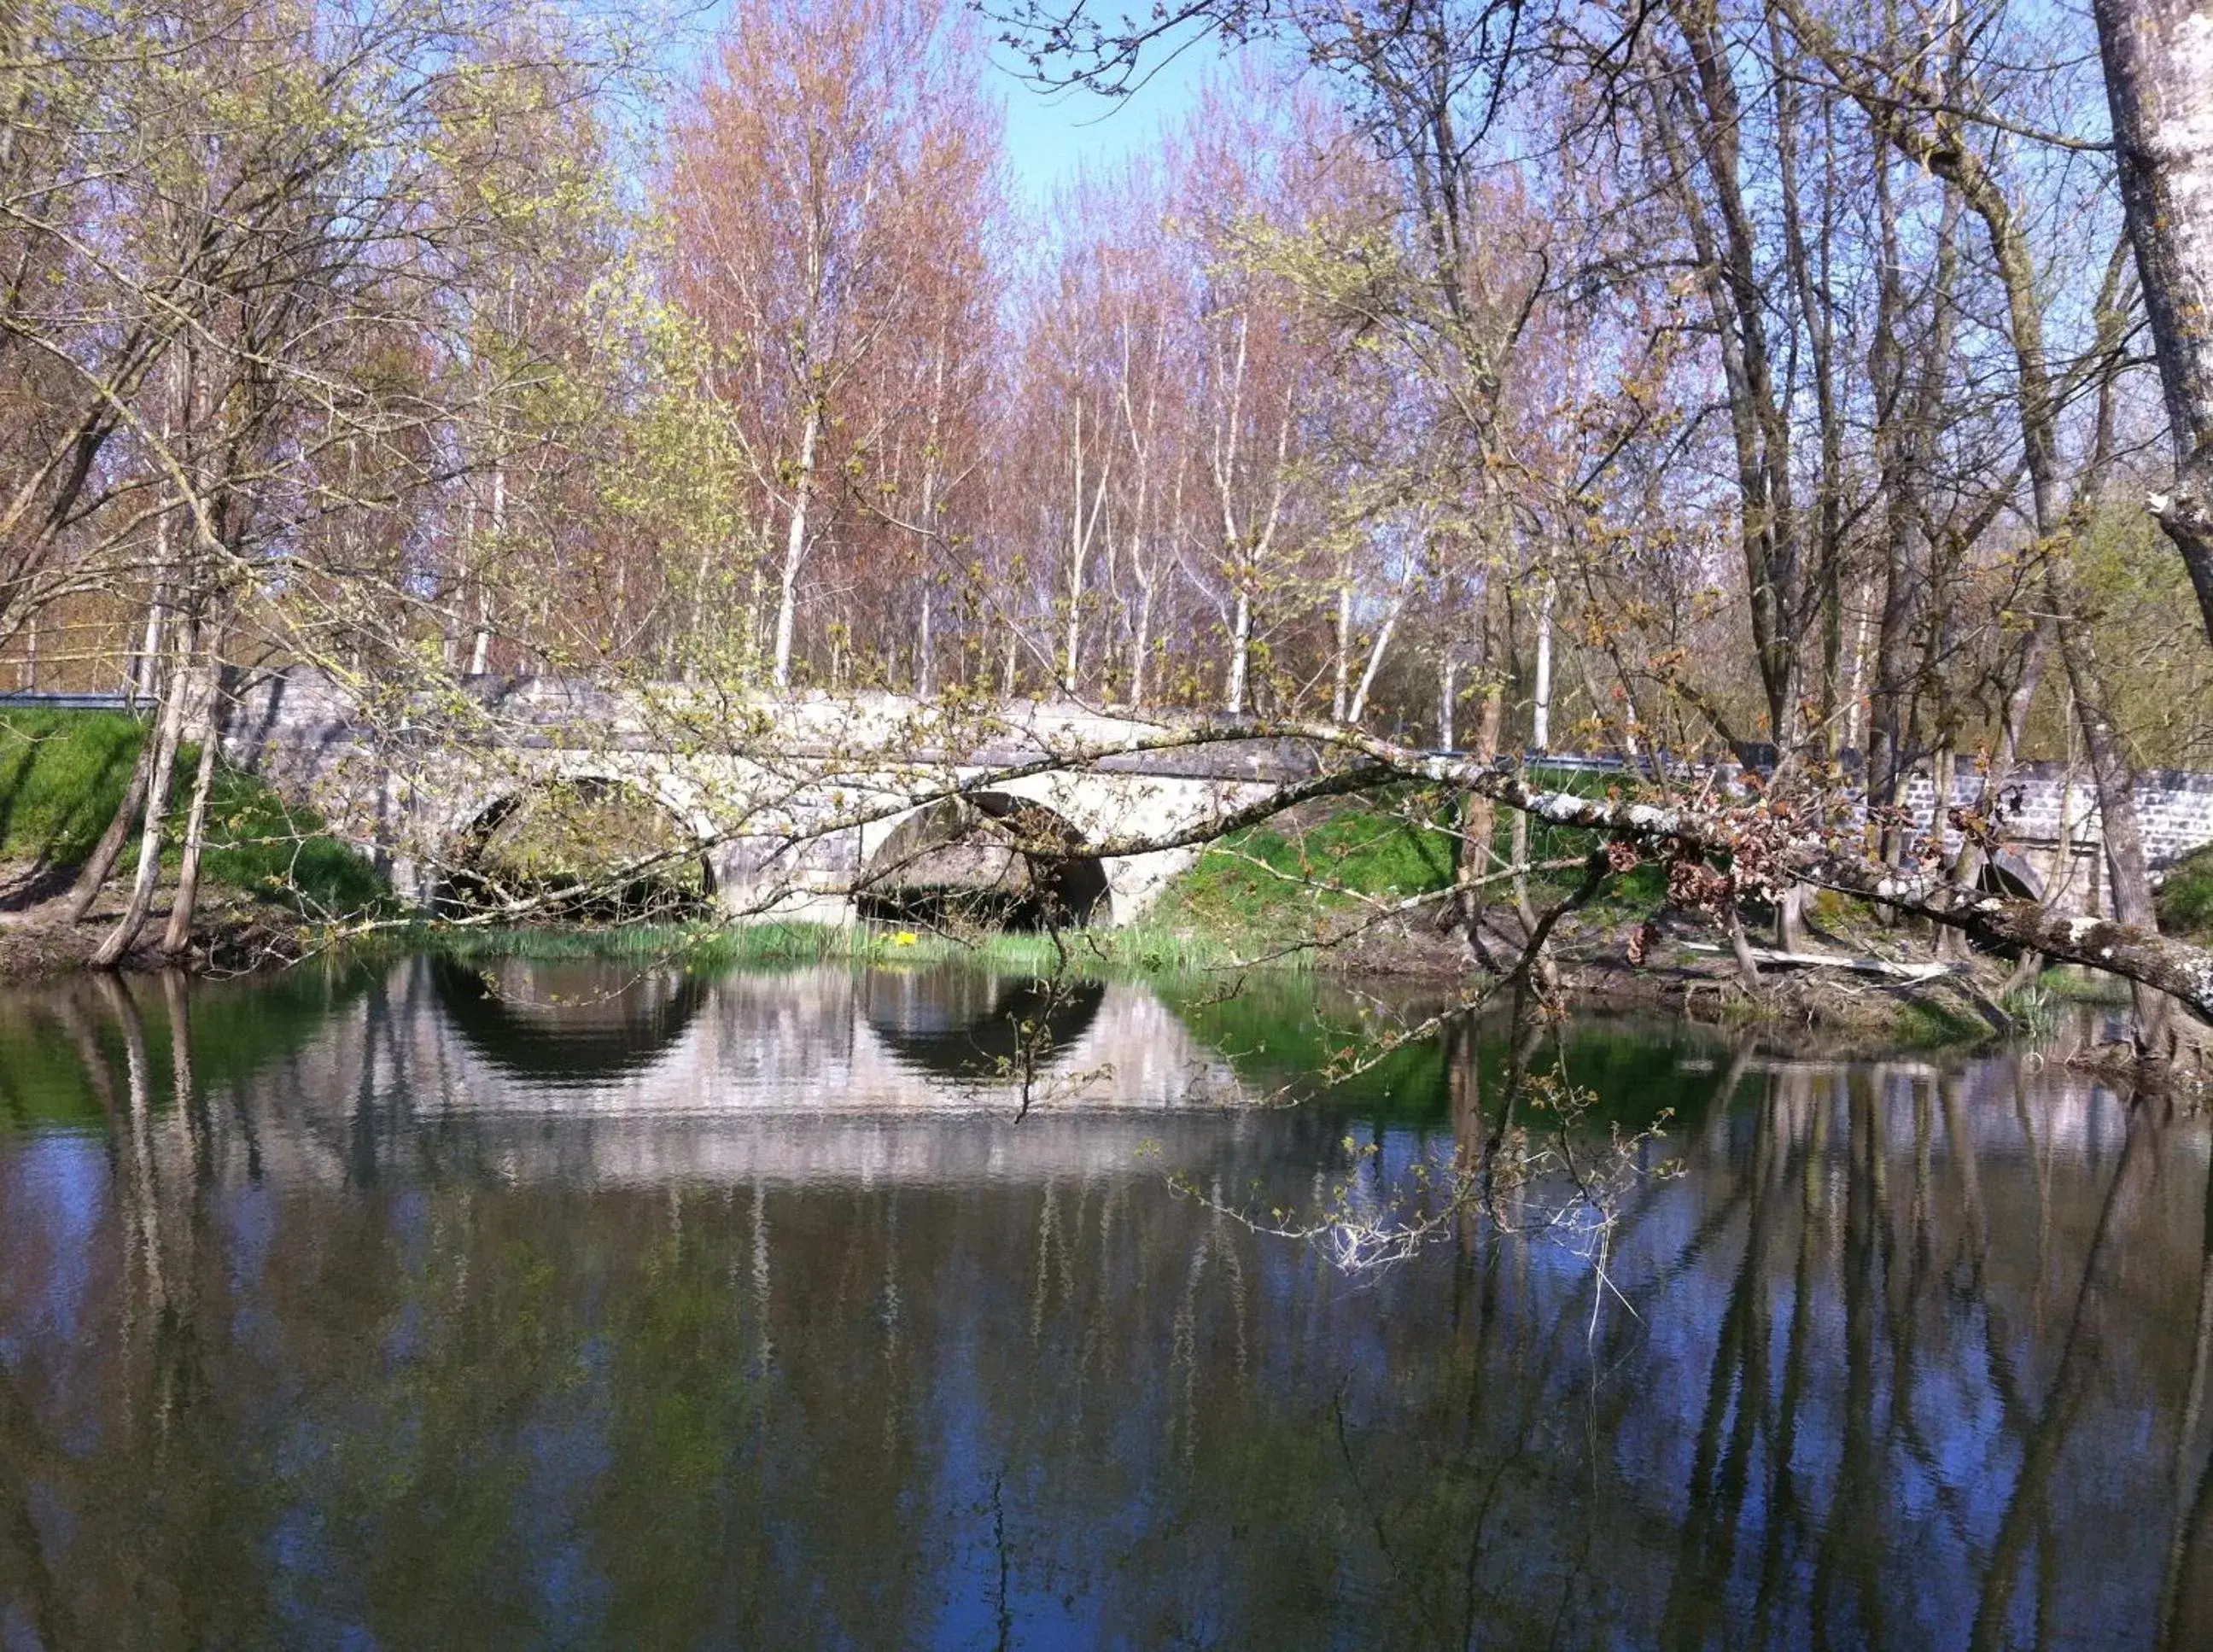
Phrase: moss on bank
(1286, 881)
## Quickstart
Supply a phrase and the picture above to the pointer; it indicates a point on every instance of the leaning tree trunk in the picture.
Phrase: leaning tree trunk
(2158, 81)
(93, 877)
(1479, 816)
(179, 934)
(168, 736)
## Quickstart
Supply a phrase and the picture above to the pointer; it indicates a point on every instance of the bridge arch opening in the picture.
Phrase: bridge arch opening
(971, 861)
(2007, 874)
(561, 843)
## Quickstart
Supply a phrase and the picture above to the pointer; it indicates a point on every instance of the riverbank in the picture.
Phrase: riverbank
(1354, 887)
(1960, 1008)
(232, 932)
(236, 934)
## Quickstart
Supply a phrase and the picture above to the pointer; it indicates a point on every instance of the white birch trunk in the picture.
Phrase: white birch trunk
(1241, 647)
(1141, 644)
(1540, 732)
(168, 734)
(795, 544)
(1340, 695)
(1376, 653)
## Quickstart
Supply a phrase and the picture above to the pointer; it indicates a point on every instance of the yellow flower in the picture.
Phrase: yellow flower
(905, 938)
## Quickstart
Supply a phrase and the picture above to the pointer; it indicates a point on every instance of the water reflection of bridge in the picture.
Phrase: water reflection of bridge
(614, 1074)
(1919, 1353)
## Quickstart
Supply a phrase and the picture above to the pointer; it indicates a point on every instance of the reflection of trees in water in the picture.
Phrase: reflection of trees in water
(1907, 1364)
(1847, 1411)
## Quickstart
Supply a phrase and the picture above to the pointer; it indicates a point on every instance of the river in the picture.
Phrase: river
(584, 1305)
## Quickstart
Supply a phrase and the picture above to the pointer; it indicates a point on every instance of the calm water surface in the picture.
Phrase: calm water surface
(388, 1309)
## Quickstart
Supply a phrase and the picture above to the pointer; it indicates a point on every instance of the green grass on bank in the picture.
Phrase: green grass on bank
(1280, 881)
(1293, 878)
(63, 775)
(1140, 949)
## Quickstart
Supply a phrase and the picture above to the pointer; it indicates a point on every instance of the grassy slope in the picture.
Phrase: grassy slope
(63, 776)
(1276, 883)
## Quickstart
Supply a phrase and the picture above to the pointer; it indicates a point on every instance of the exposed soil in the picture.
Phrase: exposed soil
(231, 933)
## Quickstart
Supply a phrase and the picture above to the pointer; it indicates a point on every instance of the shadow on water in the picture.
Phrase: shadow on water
(1914, 1352)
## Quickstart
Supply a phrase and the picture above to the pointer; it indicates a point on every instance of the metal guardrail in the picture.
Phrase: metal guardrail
(30, 702)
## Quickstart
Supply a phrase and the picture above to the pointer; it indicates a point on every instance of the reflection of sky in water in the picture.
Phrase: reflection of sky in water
(56, 1189)
(392, 1339)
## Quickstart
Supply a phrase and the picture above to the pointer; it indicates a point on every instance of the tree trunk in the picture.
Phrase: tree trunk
(1790, 918)
(1968, 869)
(1340, 695)
(1139, 644)
(93, 878)
(179, 934)
(1376, 651)
(1855, 678)
(2131, 899)
(1240, 644)
(144, 678)
(167, 738)
(2158, 81)
(1540, 731)
(1747, 966)
(1479, 815)
(794, 544)
(923, 645)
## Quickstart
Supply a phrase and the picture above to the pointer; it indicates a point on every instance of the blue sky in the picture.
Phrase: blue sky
(1051, 137)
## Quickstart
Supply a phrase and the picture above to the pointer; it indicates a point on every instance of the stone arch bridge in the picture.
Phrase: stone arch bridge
(800, 809)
